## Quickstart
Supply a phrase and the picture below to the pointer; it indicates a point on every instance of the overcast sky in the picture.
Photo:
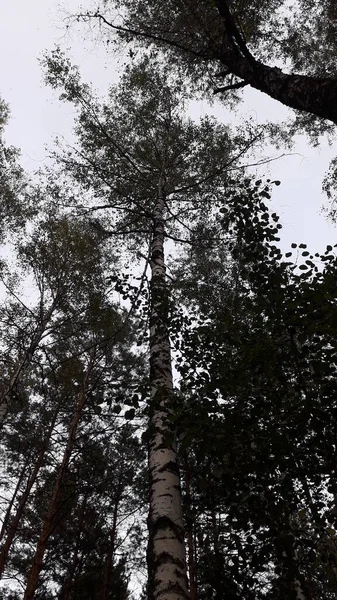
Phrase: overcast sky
(27, 29)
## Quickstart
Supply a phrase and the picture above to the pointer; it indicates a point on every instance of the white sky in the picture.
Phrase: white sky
(27, 29)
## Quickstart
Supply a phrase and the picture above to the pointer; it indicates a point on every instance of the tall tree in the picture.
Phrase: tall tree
(238, 42)
(258, 359)
(152, 171)
(53, 505)
(15, 187)
(67, 258)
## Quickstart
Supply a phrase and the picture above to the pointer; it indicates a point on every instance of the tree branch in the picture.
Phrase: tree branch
(233, 33)
(233, 86)
(315, 95)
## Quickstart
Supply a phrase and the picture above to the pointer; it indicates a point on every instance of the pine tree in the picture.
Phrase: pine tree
(66, 260)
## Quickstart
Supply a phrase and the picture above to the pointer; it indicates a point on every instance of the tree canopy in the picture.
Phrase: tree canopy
(147, 309)
(286, 50)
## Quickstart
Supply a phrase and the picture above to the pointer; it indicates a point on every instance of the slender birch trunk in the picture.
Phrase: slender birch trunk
(166, 549)
(49, 521)
(14, 522)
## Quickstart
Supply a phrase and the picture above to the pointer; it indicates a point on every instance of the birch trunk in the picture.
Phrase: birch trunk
(166, 551)
(48, 525)
(314, 95)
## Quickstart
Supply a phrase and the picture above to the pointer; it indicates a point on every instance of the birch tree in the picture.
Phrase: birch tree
(226, 45)
(152, 171)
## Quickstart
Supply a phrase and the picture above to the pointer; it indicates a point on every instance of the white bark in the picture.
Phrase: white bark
(166, 549)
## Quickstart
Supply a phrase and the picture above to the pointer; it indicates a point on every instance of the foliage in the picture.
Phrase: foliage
(238, 44)
(46, 342)
(257, 364)
(15, 188)
(254, 333)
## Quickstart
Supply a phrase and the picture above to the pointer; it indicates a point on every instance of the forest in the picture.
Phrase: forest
(168, 376)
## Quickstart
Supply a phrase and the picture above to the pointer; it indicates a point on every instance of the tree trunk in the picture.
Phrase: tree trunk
(316, 95)
(191, 559)
(287, 556)
(48, 525)
(166, 551)
(14, 523)
(111, 548)
(7, 515)
(67, 585)
(25, 362)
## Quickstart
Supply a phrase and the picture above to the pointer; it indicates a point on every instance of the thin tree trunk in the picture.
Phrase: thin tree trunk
(289, 561)
(301, 588)
(48, 525)
(166, 551)
(23, 500)
(191, 562)
(67, 585)
(111, 549)
(25, 362)
(6, 519)
(215, 530)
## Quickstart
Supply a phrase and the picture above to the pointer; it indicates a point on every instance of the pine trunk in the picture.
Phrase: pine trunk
(66, 589)
(166, 550)
(48, 525)
(15, 494)
(15, 521)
